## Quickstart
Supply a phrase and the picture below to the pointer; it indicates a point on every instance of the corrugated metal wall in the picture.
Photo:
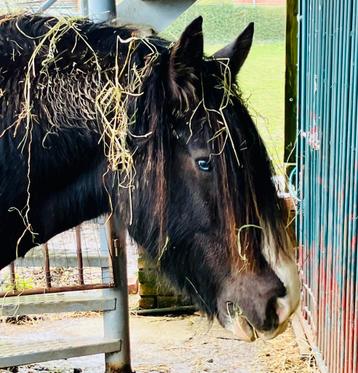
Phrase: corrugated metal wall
(327, 181)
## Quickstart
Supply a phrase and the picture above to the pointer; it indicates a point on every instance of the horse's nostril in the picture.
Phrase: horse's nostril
(271, 321)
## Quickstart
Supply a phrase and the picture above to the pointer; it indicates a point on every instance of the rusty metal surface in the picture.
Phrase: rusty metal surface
(47, 266)
(62, 289)
(81, 280)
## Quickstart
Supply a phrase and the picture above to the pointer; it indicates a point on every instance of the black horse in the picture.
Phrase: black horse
(95, 119)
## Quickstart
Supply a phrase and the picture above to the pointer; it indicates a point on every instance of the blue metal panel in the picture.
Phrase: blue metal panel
(327, 160)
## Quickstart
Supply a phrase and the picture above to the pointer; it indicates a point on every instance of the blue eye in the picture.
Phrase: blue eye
(204, 164)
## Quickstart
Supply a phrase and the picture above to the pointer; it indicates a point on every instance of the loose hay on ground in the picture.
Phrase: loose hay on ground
(281, 355)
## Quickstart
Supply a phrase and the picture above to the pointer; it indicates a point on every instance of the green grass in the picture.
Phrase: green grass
(223, 22)
(262, 77)
(262, 81)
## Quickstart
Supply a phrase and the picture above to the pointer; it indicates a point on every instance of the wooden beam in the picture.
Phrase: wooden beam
(291, 81)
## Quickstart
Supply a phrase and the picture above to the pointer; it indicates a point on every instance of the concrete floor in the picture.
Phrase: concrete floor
(179, 344)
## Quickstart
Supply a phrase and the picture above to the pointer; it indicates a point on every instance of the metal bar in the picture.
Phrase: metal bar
(315, 350)
(326, 175)
(38, 351)
(354, 178)
(59, 259)
(323, 178)
(350, 337)
(157, 14)
(106, 271)
(74, 301)
(83, 7)
(13, 276)
(116, 323)
(344, 160)
(47, 4)
(314, 130)
(58, 289)
(81, 280)
(101, 10)
(47, 265)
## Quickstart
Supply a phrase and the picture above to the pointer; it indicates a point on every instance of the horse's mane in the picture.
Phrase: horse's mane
(77, 39)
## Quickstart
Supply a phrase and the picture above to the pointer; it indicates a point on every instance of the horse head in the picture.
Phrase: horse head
(204, 203)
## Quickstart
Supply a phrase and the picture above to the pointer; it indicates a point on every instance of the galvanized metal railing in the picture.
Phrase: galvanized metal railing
(327, 161)
(107, 294)
(83, 252)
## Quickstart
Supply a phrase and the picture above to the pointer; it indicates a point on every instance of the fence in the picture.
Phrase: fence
(328, 179)
(46, 282)
(59, 6)
(74, 260)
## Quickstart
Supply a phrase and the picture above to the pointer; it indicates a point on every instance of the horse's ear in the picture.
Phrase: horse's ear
(187, 53)
(238, 50)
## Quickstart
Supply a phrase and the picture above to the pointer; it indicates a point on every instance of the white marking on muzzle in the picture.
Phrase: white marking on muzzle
(284, 266)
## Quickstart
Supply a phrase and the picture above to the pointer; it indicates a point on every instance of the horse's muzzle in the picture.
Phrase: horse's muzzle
(257, 305)
(276, 322)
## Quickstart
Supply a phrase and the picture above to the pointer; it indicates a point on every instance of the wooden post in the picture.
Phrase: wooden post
(291, 84)
(116, 323)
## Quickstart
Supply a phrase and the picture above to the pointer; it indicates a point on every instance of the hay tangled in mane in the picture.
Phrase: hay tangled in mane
(101, 102)
(110, 88)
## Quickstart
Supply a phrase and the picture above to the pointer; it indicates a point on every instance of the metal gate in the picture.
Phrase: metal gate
(80, 270)
(327, 182)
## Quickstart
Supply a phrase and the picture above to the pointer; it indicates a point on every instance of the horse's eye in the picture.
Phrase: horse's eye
(204, 164)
